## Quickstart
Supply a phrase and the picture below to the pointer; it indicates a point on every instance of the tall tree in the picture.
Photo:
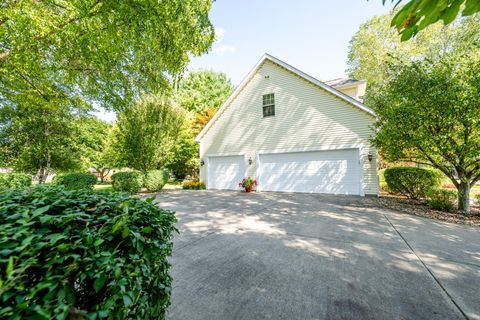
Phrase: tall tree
(376, 45)
(416, 15)
(148, 131)
(429, 112)
(204, 89)
(108, 52)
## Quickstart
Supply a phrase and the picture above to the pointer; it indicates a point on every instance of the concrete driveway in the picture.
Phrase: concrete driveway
(303, 256)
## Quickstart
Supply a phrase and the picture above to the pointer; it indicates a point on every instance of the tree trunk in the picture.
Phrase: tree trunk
(464, 197)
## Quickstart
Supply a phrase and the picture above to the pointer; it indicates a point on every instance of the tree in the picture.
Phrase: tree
(148, 131)
(416, 15)
(108, 52)
(40, 138)
(94, 140)
(204, 89)
(429, 112)
(376, 45)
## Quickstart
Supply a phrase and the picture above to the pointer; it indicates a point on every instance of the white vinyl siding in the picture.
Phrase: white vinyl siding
(306, 117)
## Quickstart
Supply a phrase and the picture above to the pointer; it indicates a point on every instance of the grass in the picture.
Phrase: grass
(172, 186)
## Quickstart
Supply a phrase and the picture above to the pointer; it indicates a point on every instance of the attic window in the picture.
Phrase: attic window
(268, 105)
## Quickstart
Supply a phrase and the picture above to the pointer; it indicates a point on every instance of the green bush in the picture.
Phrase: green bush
(75, 180)
(155, 180)
(15, 180)
(477, 196)
(381, 178)
(411, 181)
(128, 181)
(441, 199)
(83, 255)
(193, 185)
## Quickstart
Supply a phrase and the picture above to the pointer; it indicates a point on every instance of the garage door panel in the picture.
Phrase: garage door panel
(225, 172)
(333, 171)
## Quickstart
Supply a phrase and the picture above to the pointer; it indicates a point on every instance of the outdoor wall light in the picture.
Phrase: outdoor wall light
(202, 163)
(370, 156)
(250, 161)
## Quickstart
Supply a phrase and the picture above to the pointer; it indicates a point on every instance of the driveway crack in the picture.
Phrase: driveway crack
(427, 268)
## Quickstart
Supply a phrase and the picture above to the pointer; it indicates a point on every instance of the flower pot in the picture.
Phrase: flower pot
(248, 189)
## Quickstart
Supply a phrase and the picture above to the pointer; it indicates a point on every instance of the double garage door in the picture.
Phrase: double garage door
(332, 171)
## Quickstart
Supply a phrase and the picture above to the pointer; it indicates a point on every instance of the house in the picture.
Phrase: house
(292, 133)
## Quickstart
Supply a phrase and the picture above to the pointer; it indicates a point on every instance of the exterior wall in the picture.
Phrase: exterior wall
(306, 118)
(356, 92)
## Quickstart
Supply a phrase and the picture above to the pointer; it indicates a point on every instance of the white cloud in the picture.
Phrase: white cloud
(219, 48)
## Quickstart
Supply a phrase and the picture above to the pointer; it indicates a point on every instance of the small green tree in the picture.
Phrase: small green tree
(429, 112)
(148, 131)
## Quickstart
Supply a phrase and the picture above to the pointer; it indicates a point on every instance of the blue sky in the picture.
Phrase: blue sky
(311, 35)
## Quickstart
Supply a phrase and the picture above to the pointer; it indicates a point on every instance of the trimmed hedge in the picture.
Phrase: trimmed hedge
(79, 254)
(15, 180)
(411, 181)
(155, 180)
(441, 199)
(75, 180)
(128, 181)
(193, 185)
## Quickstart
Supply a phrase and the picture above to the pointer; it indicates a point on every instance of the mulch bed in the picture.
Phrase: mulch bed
(419, 208)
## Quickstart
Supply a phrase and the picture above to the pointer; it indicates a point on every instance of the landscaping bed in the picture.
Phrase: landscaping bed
(419, 208)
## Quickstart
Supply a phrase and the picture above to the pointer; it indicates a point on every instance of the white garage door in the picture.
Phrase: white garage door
(225, 172)
(333, 171)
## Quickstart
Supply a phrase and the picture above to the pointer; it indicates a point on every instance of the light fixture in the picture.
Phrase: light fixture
(202, 163)
(250, 161)
(370, 156)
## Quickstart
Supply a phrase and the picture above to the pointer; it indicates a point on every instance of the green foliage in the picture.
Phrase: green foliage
(477, 196)
(75, 180)
(148, 131)
(155, 180)
(428, 112)
(183, 159)
(416, 15)
(204, 89)
(128, 181)
(383, 184)
(83, 255)
(109, 52)
(411, 181)
(376, 46)
(193, 185)
(14, 180)
(441, 199)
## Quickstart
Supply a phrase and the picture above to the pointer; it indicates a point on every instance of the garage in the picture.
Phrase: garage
(225, 172)
(331, 171)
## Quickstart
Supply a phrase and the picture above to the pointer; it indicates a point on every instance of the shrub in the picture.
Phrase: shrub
(78, 254)
(193, 185)
(411, 181)
(129, 181)
(381, 178)
(75, 180)
(15, 180)
(477, 196)
(155, 180)
(441, 199)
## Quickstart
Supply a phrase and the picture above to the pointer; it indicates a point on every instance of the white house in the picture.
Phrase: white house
(292, 133)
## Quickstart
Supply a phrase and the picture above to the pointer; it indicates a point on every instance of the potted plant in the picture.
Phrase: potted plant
(248, 184)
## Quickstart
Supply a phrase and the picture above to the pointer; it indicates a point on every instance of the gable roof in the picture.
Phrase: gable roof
(308, 78)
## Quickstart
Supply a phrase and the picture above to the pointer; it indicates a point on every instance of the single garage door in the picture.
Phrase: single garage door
(332, 171)
(225, 172)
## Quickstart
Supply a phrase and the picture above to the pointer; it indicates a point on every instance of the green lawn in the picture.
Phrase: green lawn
(173, 186)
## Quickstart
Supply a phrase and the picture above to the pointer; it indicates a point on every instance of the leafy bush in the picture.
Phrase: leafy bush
(79, 254)
(381, 178)
(155, 180)
(129, 181)
(477, 196)
(411, 181)
(75, 180)
(193, 185)
(14, 180)
(441, 199)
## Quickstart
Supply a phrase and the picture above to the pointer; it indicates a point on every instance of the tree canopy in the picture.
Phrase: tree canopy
(204, 89)
(103, 51)
(429, 112)
(376, 45)
(416, 15)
